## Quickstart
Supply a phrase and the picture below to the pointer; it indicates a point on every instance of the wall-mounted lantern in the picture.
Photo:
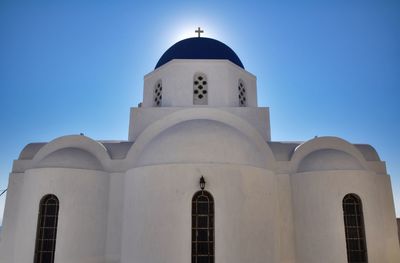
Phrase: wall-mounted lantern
(202, 183)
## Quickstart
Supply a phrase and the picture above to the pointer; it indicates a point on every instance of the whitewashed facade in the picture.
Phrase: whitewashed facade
(131, 201)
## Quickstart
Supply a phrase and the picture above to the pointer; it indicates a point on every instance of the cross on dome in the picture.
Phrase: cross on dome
(199, 31)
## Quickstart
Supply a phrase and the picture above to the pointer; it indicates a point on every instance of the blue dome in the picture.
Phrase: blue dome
(199, 48)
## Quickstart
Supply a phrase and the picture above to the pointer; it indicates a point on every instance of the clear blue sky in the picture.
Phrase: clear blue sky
(323, 67)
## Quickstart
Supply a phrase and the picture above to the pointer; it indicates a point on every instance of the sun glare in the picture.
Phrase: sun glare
(186, 29)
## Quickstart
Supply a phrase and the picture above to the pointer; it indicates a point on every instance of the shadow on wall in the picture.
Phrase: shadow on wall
(398, 227)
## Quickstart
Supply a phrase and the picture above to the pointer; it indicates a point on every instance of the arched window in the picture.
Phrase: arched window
(46, 229)
(242, 93)
(354, 229)
(157, 94)
(200, 89)
(202, 227)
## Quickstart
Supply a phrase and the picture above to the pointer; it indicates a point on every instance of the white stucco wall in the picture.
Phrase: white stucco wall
(81, 231)
(114, 218)
(157, 213)
(177, 82)
(285, 217)
(318, 215)
(141, 118)
(202, 141)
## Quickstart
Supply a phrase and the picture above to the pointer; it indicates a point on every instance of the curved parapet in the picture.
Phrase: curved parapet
(73, 151)
(329, 159)
(327, 153)
(70, 158)
(30, 150)
(368, 152)
(211, 135)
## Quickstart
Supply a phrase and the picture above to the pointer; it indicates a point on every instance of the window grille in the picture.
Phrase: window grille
(46, 229)
(202, 228)
(354, 229)
(200, 89)
(157, 94)
(242, 93)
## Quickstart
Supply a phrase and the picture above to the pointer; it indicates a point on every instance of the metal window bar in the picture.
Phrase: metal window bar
(47, 229)
(354, 229)
(202, 228)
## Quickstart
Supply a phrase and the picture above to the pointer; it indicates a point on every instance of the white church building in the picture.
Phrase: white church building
(199, 180)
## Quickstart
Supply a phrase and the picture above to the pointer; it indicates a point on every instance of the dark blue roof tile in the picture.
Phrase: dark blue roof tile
(199, 48)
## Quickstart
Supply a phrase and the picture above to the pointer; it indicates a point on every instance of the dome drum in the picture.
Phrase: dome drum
(179, 84)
